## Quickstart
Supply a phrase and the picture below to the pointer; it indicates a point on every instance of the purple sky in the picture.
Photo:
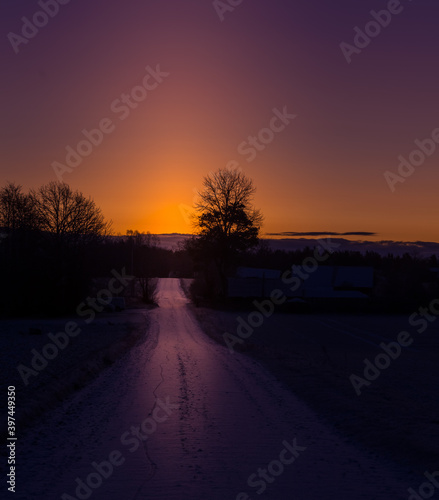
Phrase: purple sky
(227, 79)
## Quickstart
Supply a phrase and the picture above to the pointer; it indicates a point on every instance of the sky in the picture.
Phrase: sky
(294, 93)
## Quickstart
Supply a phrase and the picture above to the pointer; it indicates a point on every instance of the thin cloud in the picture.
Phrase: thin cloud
(322, 233)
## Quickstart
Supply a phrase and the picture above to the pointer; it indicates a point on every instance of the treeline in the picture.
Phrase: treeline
(46, 235)
(141, 255)
(55, 241)
(264, 256)
(401, 282)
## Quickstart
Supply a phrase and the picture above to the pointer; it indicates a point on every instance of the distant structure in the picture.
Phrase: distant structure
(325, 283)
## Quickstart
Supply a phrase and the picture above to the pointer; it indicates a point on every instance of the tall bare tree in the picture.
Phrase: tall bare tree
(225, 219)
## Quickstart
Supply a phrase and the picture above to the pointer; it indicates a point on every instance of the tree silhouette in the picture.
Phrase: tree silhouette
(17, 211)
(48, 238)
(68, 214)
(143, 257)
(225, 220)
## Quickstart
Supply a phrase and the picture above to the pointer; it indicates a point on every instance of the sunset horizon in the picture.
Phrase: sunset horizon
(173, 218)
(219, 249)
(320, 130)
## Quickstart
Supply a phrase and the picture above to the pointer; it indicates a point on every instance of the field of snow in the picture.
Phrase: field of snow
(315, 355)
(44, 376)
(178, 417)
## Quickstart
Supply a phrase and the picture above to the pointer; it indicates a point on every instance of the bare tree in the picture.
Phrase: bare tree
(225, 210)
(67, 213)
(141, 246)
(51, 236)
(225, 220)
(143, 239)
(17, 210)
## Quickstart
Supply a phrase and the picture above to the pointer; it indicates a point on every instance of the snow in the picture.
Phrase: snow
(227, 417)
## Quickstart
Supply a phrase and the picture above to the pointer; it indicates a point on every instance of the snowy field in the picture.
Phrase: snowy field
(45, 375)
(179, 417)
(396, 414)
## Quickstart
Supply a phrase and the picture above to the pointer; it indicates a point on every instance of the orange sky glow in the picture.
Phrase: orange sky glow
(324, 171)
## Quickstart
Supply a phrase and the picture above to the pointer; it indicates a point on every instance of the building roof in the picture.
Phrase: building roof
(255, 272)
(338, 282)
(329, 277)
(353, 277)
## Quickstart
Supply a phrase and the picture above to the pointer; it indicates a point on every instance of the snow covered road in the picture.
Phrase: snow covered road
(179, 417)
